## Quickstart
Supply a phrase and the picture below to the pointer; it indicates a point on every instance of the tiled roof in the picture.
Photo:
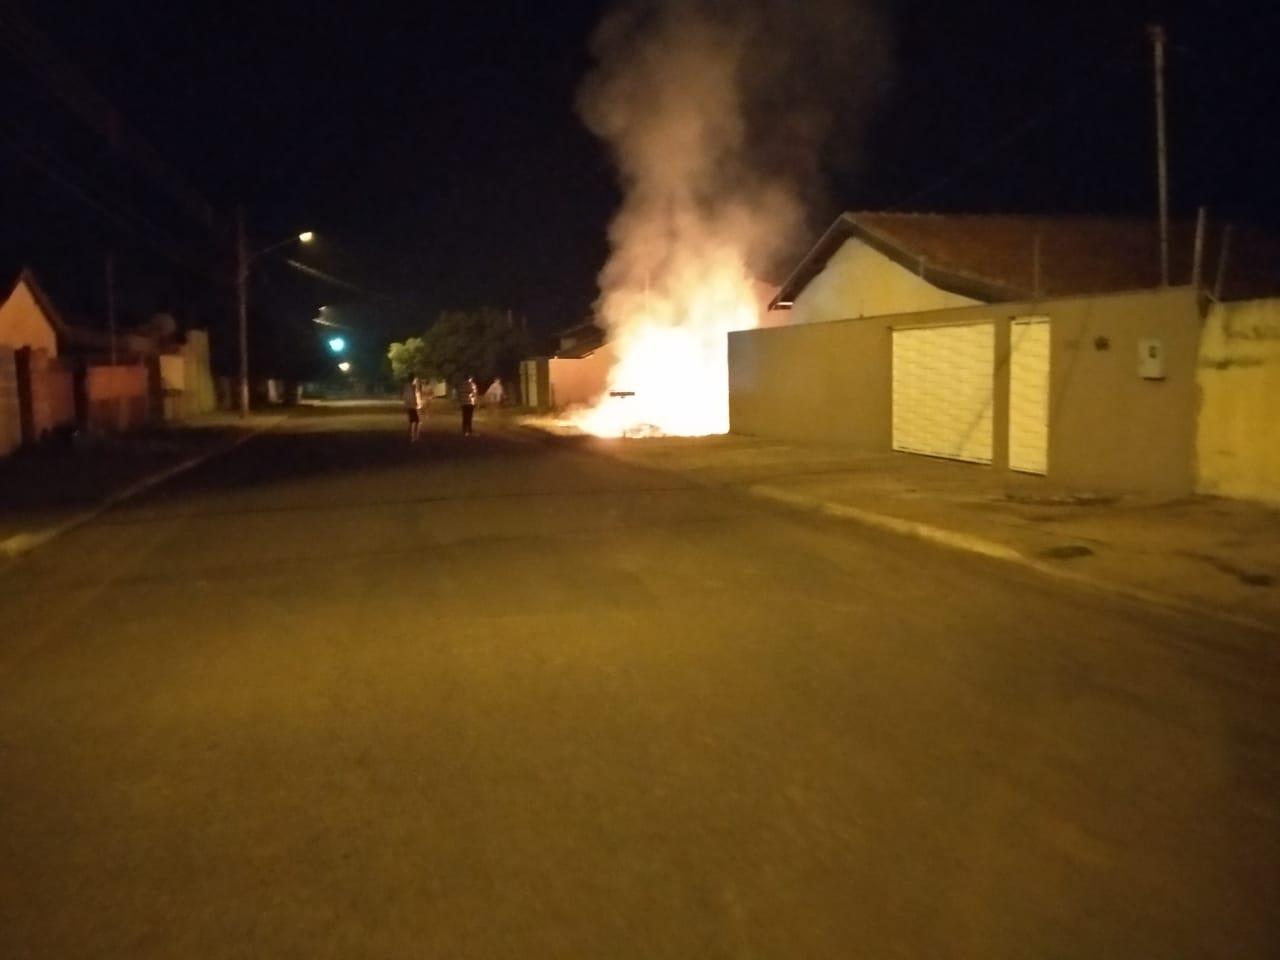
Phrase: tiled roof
(993, 257)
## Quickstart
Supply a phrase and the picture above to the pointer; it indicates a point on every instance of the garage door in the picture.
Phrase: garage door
(942, 391)
(1029, 395)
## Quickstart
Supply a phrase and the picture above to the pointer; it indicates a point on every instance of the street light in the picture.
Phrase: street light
(244, 259)
(337, 344)
(344, 366)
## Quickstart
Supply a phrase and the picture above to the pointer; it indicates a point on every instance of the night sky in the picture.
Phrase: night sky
(438, 156)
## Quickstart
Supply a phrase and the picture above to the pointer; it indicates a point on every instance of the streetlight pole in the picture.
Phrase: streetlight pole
(243, 260)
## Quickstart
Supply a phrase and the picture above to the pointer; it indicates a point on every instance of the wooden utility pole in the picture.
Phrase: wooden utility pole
(1162, 153)
(242, 303)
(1197, 254)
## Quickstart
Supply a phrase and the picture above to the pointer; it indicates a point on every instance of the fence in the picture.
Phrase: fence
(117, 396)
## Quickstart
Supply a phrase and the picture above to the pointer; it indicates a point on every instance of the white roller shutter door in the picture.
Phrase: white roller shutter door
(1029, 395)
(943, 379)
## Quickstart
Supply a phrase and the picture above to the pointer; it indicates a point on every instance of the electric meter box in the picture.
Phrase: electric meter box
(1151, 359)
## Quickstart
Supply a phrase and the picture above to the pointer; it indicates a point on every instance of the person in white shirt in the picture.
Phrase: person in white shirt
(413, 396)
(468, 394)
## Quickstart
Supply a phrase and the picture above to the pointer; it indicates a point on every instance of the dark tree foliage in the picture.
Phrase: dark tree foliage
(484, 343)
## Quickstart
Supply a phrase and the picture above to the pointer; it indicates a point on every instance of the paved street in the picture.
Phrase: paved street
(334, 696)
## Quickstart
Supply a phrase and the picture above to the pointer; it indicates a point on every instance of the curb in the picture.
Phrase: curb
(22, 543)
(884, 521)
(999, 551)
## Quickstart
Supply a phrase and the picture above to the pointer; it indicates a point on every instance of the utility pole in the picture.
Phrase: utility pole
(1197, 254)
(242, 299)
(1162, 154)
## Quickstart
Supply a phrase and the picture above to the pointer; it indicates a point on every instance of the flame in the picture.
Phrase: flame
(671, 377)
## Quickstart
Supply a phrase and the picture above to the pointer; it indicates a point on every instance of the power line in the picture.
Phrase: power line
(347, 284)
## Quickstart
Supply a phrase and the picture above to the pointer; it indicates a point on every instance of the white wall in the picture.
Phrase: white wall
(859, 281)
(1238, 436)
(23, 323)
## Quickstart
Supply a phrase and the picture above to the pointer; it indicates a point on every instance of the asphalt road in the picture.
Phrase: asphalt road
(333, 696)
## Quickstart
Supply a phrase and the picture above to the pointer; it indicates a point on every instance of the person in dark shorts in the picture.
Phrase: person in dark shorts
(468, 394)
(412, 397)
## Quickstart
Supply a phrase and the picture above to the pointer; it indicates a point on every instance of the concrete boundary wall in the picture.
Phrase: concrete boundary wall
(10, 409)
(1238, 441)
(118, 396)
(577, 381)
(1109, 429)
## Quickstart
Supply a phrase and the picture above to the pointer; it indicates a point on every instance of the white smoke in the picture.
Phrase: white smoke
(717, 114)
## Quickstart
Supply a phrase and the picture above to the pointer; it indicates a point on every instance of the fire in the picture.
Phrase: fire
(672, 373)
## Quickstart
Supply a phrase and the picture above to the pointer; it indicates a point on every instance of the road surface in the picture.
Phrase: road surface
(335, 696)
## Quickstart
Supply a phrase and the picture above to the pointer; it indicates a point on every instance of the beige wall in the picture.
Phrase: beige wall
(1238, 441)
(859, 281)
(186, 380)
(23, 323)
(1109, 430)
(818, 383)
(198, 392)
(583, 381)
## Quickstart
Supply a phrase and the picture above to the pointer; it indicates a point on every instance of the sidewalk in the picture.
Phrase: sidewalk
(1213, 555)
(45, 490)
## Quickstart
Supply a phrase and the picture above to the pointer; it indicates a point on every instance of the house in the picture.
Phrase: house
(875, 264)
(54, 374)
(1038, 346)
(37, 393)
(28, 318)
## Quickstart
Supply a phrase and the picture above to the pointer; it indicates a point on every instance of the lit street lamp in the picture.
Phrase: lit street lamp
(337, 344)
(344, 366)
(244, 259)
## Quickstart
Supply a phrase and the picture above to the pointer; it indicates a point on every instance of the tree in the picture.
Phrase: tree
(408, 359)
(482, 343)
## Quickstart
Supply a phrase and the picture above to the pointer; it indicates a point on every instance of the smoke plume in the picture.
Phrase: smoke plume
(718, 115)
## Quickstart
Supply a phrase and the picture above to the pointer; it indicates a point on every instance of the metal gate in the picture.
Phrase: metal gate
(1029, 395)
(943, 381)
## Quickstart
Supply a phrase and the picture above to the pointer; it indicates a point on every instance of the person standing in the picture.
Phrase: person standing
(412, 399)
(468, 394)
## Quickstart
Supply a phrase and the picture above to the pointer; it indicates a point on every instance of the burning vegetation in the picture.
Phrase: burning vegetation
(717, 114)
